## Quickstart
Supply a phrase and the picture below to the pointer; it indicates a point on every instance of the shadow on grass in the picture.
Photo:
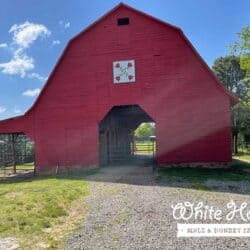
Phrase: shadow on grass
(70, 175)
(234, 179)
(238, 171)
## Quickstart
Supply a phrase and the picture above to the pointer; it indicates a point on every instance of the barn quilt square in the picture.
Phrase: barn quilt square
(124, 71)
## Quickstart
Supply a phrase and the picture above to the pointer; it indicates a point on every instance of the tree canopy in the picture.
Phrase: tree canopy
(228, 70)
(242, 48)
(234, 73)
(144, 131)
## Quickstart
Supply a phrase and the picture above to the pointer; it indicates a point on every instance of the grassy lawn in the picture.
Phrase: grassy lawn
(39, 212)
(26, 166)
(244, 157)
(198, 176)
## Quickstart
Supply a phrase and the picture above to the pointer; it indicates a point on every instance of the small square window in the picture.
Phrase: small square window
(123, 21)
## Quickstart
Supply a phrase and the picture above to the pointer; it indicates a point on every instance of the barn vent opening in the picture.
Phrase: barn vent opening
(119, 139)
(123, 21)
(16, 155)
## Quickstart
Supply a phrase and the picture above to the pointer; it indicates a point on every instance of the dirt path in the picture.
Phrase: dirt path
(129, 209)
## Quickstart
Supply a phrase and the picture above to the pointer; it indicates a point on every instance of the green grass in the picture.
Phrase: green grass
(42, 210)
(198, 176)
(244, 157)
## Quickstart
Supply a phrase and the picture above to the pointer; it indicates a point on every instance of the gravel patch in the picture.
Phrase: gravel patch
(8, 244)
(129, 209)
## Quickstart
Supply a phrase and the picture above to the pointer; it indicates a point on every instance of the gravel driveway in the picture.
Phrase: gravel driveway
(129, 209)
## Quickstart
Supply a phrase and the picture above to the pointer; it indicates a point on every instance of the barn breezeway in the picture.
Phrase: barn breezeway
(116, 136)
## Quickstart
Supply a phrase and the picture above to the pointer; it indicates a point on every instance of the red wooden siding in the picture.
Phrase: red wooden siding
(173, 85)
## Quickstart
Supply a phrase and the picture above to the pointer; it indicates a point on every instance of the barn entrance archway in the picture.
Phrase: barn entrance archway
(117, 138)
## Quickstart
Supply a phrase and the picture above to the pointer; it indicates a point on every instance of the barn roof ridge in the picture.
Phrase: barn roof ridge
(13, 118)
(233, 98)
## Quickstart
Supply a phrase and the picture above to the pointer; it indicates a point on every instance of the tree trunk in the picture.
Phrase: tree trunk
(236, 143)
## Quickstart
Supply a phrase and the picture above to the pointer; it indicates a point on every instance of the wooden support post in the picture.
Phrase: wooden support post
(13, 139)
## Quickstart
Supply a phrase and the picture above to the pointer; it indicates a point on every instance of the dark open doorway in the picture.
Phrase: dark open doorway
(116, 136)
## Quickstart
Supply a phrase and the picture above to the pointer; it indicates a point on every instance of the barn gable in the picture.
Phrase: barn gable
(103, 23)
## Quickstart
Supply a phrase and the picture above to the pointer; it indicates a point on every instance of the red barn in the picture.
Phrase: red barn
(125, 69)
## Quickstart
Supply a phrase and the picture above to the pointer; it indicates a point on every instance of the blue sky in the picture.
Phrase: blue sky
(33, 34)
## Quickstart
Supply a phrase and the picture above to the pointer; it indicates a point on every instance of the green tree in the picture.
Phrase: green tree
(242, 48)
(229, 72)
(241, 113)
(241, 123)
(234, 78)
(144, 131)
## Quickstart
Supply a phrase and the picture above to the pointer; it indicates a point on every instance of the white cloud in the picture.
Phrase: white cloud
(3, 45)
(37, 76)
(66, 25)
(2, 109)
(17, 111)
(32, 92)
(26, 33)
(18, 65)
(56, 42)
